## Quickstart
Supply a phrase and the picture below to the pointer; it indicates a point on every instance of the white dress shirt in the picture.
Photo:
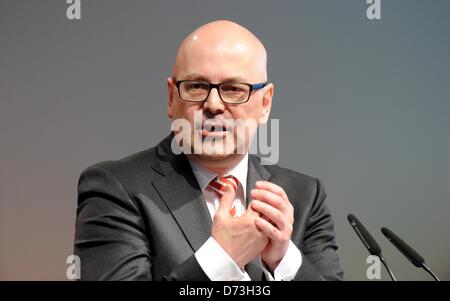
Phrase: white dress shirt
(213, 259)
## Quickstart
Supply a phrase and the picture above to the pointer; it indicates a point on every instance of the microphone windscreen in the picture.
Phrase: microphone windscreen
(364, 235)
(403, 247)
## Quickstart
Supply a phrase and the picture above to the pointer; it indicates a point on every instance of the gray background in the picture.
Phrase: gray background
(363, 105)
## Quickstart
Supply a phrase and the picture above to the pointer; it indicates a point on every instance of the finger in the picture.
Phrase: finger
(273, 215)
(252, 212)
(267, 229)
(226, 200)
(274, 188)
(270, 198)
(278, 190)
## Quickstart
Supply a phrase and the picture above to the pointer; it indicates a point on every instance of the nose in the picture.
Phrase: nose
(213, 103)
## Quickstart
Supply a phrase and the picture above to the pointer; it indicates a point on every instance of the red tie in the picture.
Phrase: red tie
(218, 186)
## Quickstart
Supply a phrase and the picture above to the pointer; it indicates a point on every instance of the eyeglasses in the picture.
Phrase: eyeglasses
(231, 93)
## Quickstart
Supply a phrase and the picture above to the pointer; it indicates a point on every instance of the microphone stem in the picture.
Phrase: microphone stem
(387, 268)
(426, 268)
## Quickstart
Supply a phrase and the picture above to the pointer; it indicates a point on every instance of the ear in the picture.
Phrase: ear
(170, 86)
(266, 103)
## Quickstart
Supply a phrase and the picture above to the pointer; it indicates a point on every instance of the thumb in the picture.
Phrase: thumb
(227, 199)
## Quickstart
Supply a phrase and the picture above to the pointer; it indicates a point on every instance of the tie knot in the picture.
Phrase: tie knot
(219, 184)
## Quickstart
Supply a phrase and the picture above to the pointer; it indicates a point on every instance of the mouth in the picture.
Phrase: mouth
(215, 129)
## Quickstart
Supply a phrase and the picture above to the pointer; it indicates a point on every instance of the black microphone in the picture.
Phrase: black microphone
(368, 241)
(407, 251)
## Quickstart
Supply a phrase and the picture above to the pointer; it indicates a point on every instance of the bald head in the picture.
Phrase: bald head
(220, 50)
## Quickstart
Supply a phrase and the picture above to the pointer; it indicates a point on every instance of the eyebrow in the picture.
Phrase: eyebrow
(233, 79)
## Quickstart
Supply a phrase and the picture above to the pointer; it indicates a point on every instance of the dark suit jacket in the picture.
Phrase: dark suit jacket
(143, 217)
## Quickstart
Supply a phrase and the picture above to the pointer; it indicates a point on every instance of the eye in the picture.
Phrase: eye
(236, 88)
(193, 86)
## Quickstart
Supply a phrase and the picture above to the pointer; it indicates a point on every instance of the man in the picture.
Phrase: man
(209, 212)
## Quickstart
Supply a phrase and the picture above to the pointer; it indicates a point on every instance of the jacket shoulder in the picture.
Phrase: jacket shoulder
(291, 176)
(295, 183)
(127, 170)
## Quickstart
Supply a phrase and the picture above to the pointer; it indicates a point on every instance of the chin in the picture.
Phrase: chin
(212, 153)
(216, 157)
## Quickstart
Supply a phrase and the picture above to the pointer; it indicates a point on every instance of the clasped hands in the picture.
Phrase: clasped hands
(264, 229)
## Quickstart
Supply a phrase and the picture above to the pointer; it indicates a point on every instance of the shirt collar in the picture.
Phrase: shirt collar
(204, 176)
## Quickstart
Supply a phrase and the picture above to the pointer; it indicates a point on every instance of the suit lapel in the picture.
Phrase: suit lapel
(256, 172)
(179, 190)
